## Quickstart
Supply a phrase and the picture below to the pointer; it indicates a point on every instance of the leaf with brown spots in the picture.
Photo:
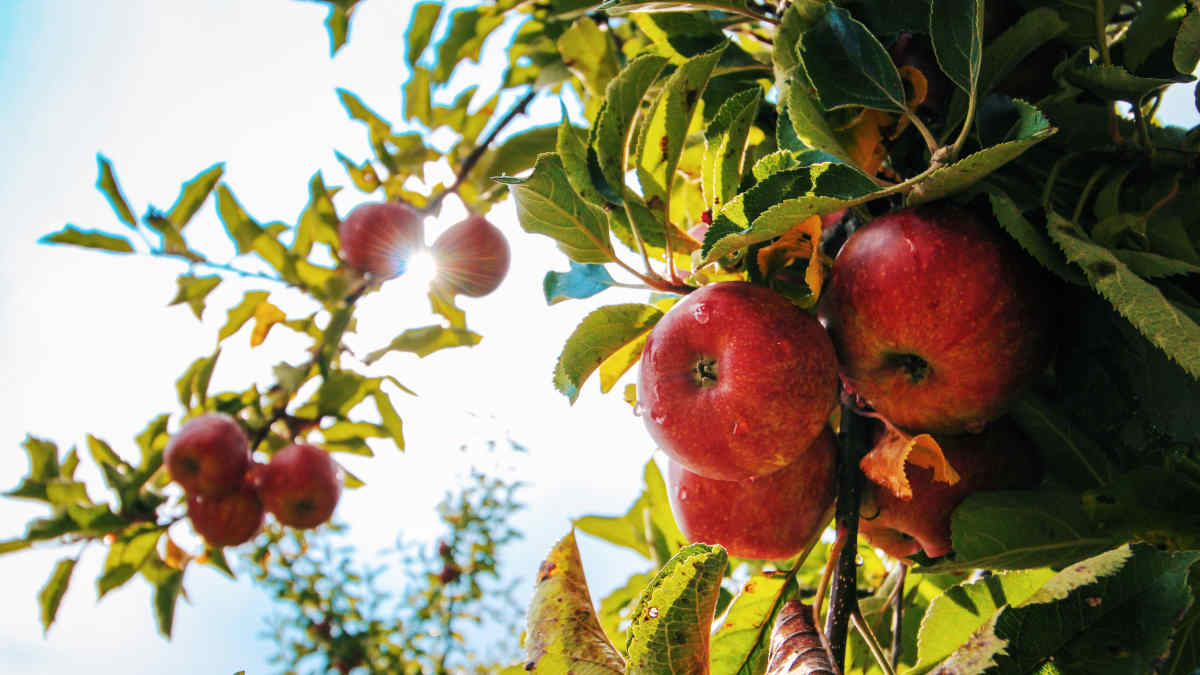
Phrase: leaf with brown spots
(885, 463)
(795, 646)
(562, 631)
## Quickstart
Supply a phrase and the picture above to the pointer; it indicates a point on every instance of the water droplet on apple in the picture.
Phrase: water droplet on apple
(682, 495)
(700, 313)
(638, 409)
(658, 417)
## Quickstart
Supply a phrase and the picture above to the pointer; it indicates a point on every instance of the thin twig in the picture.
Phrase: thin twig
(224, 267)
(898, 616)
(868, 635)
(472, 159)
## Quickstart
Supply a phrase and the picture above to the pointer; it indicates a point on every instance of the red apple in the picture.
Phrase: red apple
(774, 516)
(228, 520)
(1000, 458)
(300, 486)
(208, 455)
(938, 321)
(380, 237)
(736, 381)
(472, 258)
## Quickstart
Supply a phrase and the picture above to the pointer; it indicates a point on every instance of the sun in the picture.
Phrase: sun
(421, 268)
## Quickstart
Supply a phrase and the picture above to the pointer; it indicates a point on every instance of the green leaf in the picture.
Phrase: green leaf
(426, 340)
(956, 28)
(337, 24)
(43, 458)
(581, 281)
(215, 557)
(617, 604)
(1081, 617)
(192, 290)
(106, 182)
(390, 419)
(622, 99)
(1031, 129)
(363, 175)
(825, 187)
(547, 204)
(562, 632)
(168, 584)
(420, 29)
(1022, 529)
(240, 313)
(1006, 52)
(194, 381)
(628, 530)
(808, 121)
(318, 222)
(670, 629)
(590, 53)
(1114, 83)
(742, 639)
(848, 66)
(1137, 300)
(1071, 456)
(1186, 52)
(724, 144)
(573, 151)
(52, 593)
(240, 227)
(601, 334)
(952, 617)
(88, 239)
(1035, 242)
(468, 29)
(192, 195)
(1153, 26)
(1154, 266)
(126, 556)
(665, 127)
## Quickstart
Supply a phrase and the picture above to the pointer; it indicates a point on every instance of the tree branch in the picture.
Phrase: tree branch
(843, 598)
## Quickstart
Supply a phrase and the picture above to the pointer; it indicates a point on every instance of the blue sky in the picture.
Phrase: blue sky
(165, 90)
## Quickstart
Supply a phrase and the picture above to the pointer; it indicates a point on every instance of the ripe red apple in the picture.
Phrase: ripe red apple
(228, 520)
(736, 381)
(938, 321)
(1000, 458)
(380, 237)
(772, 517)
(208, 455)
(472, 257)
(300, 486)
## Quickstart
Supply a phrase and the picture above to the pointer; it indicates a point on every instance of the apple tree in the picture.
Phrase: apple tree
(980, 196)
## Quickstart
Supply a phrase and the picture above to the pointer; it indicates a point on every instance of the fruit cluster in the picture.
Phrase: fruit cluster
(930, 318)
(228, 494)
(379, 238)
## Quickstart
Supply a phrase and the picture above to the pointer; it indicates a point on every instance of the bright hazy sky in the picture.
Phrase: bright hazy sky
(165, 89)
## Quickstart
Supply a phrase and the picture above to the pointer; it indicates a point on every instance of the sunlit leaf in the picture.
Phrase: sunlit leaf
(193, 194)
(547, 204)
(106, 182)
(52, 593)
(600, 335)
(420, 29)
(240, 313)
(562, 632)
(425, 341)
(193, 290)
(88, 239)
(266, 315)
(742, 639)
(886, 463)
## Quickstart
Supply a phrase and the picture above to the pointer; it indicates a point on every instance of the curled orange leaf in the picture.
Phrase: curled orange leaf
(885, 464)
(798, 243)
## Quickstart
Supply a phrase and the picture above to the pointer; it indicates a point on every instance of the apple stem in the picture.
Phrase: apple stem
(843, 596)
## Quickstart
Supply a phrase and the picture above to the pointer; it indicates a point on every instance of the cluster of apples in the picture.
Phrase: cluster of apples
(228, 493)
(930, 318)
(379, 238)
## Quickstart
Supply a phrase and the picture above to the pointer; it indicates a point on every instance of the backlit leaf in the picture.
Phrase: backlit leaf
(106, 182)
(600, 335)
(193, 194)
(670, 630)
(52, 593)
(425, 341)
(420, 29)
(192, 290)
(266, 315)
(88, 239)
(886, 463)
(724, 144)
(240, 313)
(562, 632)
(622, 99)
(742, 640)
(547, 204)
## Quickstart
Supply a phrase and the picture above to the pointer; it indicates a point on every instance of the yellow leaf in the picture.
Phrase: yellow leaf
(175, 557)
(795, 244)
(265, 316)
(631, 394)
(885, 463)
